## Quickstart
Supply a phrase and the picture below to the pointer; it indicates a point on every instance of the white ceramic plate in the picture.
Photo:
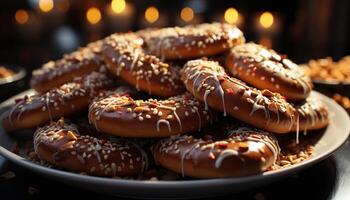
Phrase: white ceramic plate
(333, 137)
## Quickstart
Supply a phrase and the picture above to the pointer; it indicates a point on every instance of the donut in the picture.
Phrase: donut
(79, 63)
(193, 41)
(312, 115)
(208, 82)
(62, 145)
(119, 114)
(125, 57)
(35, 110)
(265, 69)
(238, 151)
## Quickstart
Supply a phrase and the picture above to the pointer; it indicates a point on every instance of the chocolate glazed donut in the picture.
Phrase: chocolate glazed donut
(121, 115)
(192, 41)
(312, 114)
(79, 63)
(32, 111)
(125, 57)
(236, 151)
(62, 145)
(265, 69)
(208, 82)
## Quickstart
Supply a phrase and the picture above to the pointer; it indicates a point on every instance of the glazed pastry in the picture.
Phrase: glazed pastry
(119, 114)
(193, 41)
(126, 58)
(265, 69)
(36, 110)
(62, 145)
(233, 151)
(77, 64)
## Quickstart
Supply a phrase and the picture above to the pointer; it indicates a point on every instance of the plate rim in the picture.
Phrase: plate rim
(331, 82)
(161, 184)
(20, 74)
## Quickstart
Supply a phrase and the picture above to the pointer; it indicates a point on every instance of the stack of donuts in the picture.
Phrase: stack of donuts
(206, 118)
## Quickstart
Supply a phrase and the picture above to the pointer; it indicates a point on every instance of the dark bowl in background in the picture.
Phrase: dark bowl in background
(331, 87)
(12, 85)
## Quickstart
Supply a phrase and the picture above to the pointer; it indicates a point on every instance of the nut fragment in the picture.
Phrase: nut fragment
(71, 135)
(141, 109)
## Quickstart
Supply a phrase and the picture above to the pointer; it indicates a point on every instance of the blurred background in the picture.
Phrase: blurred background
(35, 31)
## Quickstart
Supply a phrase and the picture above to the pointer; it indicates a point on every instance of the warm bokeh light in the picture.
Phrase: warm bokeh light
(93, 15)
(21, 16)
(151, 14)
(231, 16)
(187, 14)
(46, 5)
(118, 6)
(266, 20)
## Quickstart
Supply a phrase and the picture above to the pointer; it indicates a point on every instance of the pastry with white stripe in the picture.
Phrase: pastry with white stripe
(121, 115)
(38, 109)
(63, 145)
(225, 152)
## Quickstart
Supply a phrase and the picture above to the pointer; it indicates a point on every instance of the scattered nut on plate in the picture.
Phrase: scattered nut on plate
(343, 101)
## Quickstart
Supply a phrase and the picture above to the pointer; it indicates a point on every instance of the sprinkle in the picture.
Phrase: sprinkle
(211, 156)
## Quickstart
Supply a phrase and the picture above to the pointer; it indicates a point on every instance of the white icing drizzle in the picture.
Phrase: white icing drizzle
(136, 56)
(69, 63)
(196, 74)
(272, 62)
(297, 131)
(145, 161)
(205, 98)
(241, 134)
(181, 107)
(187, 153)
(278, 116)
(223, 99)
(258, 99)
(118, 70)
(47, 99)
(274, 148)
(312, 111)
(178, 119)
(21, 111)
(140, 65)
(100, 112)
(291, 123)
(166, 122)
(13, 109)
(97, 148)
(83, 147)
(173, 109)
(224, 154)
(210, 70)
